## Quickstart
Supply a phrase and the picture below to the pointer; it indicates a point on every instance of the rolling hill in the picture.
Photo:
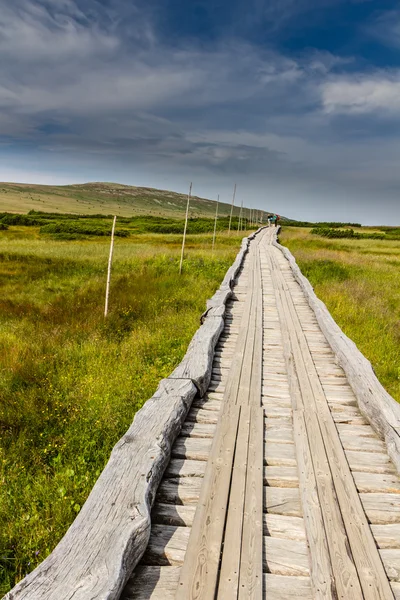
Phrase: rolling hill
(104, 198)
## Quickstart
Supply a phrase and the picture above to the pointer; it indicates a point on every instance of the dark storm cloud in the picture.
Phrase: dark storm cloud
(103, 85)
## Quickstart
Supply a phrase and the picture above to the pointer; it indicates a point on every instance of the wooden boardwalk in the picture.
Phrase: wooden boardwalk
(277, 487)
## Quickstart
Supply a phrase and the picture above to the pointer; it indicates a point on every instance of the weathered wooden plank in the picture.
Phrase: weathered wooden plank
(358, 430)
(200, 415)
(370, 462)
(192, 448)
(182, 490)
(283, 587)
(251, 563)
(198, 430)
(281, 476)
(282, 501)
(179, 467)
(167, 545)
(391, 562)
(362, 444)
(280, 454)
(109, 535)
(230, 562)
(291, 528)
(381, 508)
(387, 536)
(285, 557)
(150, 582)
(376, 482)
(181, 515)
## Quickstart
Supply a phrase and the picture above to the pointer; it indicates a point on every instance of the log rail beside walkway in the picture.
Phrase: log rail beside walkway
(269, 460)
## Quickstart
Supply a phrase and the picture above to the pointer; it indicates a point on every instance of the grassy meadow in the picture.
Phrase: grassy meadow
(72, 381)
(359, 281)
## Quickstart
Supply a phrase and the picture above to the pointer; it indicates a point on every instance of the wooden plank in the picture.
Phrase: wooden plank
(167, 545)
(285, 557)
(200, 415)
(173, 514)
(155, 583)
(387, 536)
(369, 462)
(192, 448)
(281, 476)
(359, 430)
(280, 454)
(381, 508)
(198, 430)
(376, 482)
(363, 444)
(182, 490)
(291, 528)
(282, 501)
(281, 587)
(179, 467)
(391, 562)
(230, 564)
(276, 434)
(251, 563)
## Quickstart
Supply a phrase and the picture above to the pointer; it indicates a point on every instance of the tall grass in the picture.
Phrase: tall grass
(359, 281)
(71, 382)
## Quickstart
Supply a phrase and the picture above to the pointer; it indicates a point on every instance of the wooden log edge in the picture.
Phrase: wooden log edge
(103, 545)
(375, 403)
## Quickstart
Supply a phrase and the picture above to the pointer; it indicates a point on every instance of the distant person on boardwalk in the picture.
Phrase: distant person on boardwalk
(272, 219)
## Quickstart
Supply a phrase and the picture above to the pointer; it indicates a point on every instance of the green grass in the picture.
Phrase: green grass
(71, 381)
(359, 281)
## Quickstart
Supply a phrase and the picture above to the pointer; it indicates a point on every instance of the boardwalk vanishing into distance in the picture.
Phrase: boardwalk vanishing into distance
(264, 467)
(278, 487)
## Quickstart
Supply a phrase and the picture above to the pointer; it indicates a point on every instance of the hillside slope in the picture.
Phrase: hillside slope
(104, 198)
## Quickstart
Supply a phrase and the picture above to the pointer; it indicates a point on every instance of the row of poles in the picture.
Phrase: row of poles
(253, 218)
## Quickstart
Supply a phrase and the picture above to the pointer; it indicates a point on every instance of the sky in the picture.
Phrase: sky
(296, 101)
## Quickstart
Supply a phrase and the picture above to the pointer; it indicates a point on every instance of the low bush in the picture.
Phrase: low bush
(82, 229)
(346, 233)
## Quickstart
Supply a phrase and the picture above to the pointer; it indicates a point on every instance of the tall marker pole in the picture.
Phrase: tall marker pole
(233, 203)
(240, 216)
(109, 267)
(184, 232)
(215, 225)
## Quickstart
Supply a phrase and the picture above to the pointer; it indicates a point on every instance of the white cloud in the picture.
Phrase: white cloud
(363, 94)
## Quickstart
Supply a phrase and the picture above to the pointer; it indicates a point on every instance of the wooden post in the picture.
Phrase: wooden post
(233, 202)
(184, 231)
(215, 225)
(109, 266)
(240, 217)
